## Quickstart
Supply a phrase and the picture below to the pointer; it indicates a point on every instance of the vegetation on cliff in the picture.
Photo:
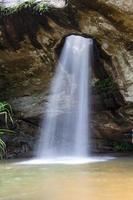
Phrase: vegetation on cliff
(31, 5)
(106, 85)
(6, 111)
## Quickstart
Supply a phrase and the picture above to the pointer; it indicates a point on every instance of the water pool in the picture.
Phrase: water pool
(110, 180)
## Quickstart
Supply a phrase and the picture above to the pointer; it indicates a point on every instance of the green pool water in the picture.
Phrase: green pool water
(111, 180)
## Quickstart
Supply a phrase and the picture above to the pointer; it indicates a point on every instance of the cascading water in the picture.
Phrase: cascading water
(65, 129)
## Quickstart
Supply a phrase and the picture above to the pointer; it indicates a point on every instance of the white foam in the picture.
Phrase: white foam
(66, 160)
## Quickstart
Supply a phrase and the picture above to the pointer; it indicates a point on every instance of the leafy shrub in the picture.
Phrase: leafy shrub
(6, 110)
(122, 146)
(2, 148)
(106, 85)
(41, 7)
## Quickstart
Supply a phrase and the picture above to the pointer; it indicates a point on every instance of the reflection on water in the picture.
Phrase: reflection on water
(112, 180)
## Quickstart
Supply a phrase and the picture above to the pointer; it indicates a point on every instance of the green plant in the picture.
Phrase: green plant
(122, 146)
(106, 85)
(31, 4)
(6, 110)
(41, 7)
(2, 143)
(2, 148)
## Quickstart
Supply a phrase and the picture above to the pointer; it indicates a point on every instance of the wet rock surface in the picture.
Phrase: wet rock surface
(29, 47)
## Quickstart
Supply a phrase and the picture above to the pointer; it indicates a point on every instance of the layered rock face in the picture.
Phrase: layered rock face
(29, 47)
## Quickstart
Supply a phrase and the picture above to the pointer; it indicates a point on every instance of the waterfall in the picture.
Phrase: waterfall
(65, 128)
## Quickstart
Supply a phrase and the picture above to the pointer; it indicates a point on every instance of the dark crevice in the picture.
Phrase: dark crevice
(33, 121)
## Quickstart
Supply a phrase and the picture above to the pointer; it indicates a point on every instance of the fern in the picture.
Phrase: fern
(2, 148)
(6, 110)
(31, 4)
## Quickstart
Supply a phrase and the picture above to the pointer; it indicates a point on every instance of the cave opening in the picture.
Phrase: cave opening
(102, 81)
(98, 55)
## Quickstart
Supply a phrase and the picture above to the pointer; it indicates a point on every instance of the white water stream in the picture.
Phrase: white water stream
(65, 129)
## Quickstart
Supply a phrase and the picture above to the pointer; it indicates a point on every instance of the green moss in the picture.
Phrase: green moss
(122, 146)
(106, 85)
(6, 110)
(31, 4)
